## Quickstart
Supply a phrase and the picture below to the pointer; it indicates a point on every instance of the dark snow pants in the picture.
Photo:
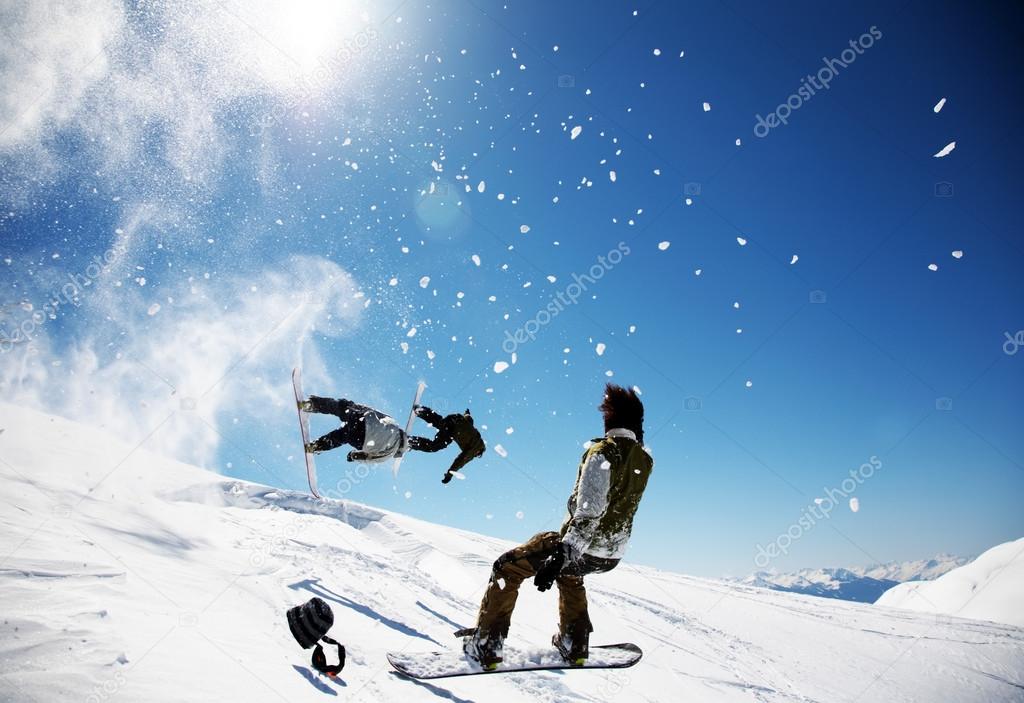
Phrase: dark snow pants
(353, 428)
(516, 565)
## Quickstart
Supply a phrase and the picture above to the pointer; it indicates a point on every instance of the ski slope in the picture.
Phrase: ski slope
(989, 588)
(127, 576)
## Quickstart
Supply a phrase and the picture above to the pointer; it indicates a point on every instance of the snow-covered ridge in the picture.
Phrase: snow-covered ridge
(128, 576)
(989, 588)
(863, 584)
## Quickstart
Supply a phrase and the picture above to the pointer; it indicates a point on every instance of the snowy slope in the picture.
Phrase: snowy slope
(989, 588)
(863, 584)
(129, 577)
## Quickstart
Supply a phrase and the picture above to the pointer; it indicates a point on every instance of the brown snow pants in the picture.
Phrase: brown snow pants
(516, 565)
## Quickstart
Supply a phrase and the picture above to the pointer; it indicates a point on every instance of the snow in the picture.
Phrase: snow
(575, 132)
(933, 267)
(854, 504)
(600, 348)
(794, 259)
(424, 281)
(129, 576)
(741, 241)
(664, 245)
(707, 107)
(939, 105)
(476, 259)
(989, 588)
(153, 309)
(946, 150)
(523, 229)
(958, 254)
(500, 366)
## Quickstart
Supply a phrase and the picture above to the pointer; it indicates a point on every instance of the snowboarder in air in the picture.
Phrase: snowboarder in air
(457, 427)
(376, 437)
(610, 481)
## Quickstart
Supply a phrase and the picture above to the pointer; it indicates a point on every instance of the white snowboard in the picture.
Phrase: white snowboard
(408, 426)
(304, 427)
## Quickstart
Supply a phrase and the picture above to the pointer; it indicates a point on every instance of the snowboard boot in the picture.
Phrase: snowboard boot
(305, 406)
(574, 652)
(486, 650)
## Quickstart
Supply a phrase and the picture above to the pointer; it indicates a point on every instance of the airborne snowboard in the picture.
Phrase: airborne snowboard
(408, 426)
(439, 665)
(304, 427)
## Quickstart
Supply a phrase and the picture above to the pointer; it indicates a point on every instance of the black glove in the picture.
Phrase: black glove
(447, 477)
(549, 569)
(356, 456)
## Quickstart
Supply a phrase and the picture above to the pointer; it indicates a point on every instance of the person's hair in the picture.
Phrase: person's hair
(622, 407)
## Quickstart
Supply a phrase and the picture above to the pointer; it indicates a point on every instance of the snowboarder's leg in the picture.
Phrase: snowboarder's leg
(510, 570)
(343, 408)
(574, 626)
(352, 433)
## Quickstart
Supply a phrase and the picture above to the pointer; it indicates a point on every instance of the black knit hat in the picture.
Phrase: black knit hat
(310, 621)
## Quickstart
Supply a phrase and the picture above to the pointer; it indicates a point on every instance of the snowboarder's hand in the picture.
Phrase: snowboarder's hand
(356, 456)
(549, 570)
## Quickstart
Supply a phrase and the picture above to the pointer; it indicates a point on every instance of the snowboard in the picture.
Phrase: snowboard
(440, 665)
(304, 427)
(408, 426)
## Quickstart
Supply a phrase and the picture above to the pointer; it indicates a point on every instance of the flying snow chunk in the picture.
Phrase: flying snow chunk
(510, 430)
(411, 332)
(481, 186)
(600, 348)
(933, 267)
(794, 259)
(748, 384)
(393, 282)
(575, 132)
(707, 107)
(425, 281)
(523, 229)
(657, 52)
(739, 142)
(698, 272)
(741, 241)
(946, 150)
(476, 259)
(153, 309)
(502, 452)
(854, 504)
(958, 254)
(664, 245)
(612, 176)
(500, 366)
(938, 106)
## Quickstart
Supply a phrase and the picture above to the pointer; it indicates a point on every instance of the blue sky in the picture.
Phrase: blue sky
(237, 175)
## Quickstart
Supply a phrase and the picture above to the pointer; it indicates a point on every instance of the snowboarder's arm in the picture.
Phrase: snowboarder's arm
(591, 504)
(428, 415)
(422, 444)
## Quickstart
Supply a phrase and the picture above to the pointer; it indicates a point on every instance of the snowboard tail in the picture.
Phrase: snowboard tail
(439, 665)
(304, 428)
(408, 426)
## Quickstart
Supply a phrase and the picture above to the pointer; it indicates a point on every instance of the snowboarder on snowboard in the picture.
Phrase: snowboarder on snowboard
(376, 437)
(610, 481)
(457, 427)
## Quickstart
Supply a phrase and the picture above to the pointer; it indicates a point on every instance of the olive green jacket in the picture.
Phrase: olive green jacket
(610, 482)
